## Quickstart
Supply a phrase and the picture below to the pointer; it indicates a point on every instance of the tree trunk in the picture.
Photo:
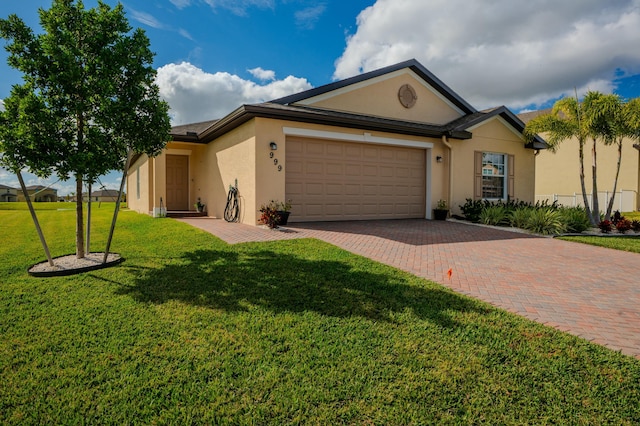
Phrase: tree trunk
(35, 218)
(79, 220)
(585, 199)
(594, 175)
(115, 213)
(615, 181)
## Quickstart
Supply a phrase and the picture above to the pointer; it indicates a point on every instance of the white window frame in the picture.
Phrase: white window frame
(504, 176)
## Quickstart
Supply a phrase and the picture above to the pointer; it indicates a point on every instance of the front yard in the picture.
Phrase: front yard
(190, 330)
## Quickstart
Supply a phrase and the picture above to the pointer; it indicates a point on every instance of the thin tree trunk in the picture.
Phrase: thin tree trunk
(594, 175)
(35, 218)
(88, 242)
(115, 213)
(79, 221)
(615, 181)
(585, 199)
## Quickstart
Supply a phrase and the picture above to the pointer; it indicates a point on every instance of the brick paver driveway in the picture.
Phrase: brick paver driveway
(588, 291)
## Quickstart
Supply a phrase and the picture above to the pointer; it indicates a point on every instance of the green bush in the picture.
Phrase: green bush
(575, 219)
(519, 217)
(545, 221)
(472, 209)
(494, 215)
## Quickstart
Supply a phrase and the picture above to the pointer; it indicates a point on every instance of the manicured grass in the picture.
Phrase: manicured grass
(630, 242)
(191, 330)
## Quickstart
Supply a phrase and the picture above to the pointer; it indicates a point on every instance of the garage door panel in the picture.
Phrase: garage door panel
(334, 189)
(335, 169)
(331, 180)
(368, 170)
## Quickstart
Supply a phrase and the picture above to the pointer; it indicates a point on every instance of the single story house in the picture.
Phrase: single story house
(105, 195)
(558, 179)
(40, 193)
(385, 144)
(8, 194)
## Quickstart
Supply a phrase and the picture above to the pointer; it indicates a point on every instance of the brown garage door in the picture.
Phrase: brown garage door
(330, 180)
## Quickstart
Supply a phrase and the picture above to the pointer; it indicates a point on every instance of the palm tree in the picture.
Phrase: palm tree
(615, 120)
(563, 123)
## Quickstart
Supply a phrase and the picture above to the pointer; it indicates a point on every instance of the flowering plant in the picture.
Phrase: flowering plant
(441, 205)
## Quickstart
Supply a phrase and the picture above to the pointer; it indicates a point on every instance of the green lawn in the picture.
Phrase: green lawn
(190, 330)
(630, 242)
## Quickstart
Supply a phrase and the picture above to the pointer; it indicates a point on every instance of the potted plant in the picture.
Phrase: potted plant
(275, 213)
(199, 206)
(283, 209)
(441, 211)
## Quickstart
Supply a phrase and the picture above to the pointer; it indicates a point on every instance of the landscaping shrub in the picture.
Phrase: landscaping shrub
(575, 219)
(623, 225)
(635, 225)
(519, 217)
(545, 221)
(472, 209)
(494, 215)
(605, 226)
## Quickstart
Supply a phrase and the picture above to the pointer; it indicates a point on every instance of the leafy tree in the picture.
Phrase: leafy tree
(88, 98)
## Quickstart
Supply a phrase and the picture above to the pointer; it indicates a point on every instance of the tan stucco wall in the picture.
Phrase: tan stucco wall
(379, 97)
(559, 172)
(217, 165)
(492, 136)
(139, 204)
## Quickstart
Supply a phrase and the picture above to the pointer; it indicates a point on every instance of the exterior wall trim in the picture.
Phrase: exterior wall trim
(351, 137)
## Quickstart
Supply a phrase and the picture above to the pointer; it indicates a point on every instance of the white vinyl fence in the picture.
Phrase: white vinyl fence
(625, 200)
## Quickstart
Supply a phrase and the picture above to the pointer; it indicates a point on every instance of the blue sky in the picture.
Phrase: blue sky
(214, 55)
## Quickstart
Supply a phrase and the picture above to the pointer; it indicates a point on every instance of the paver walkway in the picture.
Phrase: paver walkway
(591, 292)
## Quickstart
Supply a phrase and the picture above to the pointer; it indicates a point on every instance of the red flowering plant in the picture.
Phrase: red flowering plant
(605, 226)
(623, 225)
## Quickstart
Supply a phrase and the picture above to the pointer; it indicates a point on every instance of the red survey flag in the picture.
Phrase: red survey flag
(449, 273)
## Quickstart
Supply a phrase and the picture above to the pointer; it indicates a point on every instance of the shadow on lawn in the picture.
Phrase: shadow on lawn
(286, 283)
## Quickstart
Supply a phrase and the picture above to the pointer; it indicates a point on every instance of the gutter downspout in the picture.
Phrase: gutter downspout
(446, 143)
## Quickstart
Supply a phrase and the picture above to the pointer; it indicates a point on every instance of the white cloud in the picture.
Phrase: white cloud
(195, 95)
(146, 19)
(239, 7)
(307, 18)
(180, 4)
(513, 52)
(184, 33)
(263, 75)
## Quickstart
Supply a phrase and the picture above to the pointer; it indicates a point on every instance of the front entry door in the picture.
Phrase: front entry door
(177, 182)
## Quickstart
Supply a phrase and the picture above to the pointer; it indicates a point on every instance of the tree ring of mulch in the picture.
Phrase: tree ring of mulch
(70, 265)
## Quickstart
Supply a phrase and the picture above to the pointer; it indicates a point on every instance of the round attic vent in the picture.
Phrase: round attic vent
(407, 96)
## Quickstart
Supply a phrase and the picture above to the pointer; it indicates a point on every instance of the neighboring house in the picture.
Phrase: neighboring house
(39, 193)
(382, 145)
(8, 194)
(106, 195)
(558, 174)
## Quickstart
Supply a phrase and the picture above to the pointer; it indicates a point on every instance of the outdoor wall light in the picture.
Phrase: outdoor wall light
(439, 159)
(273, 146)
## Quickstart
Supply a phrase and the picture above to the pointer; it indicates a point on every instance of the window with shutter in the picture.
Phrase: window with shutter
(494, 176)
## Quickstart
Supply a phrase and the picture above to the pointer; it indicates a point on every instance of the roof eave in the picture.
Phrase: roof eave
(248, 112)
